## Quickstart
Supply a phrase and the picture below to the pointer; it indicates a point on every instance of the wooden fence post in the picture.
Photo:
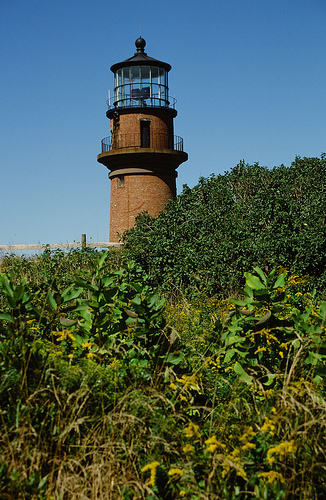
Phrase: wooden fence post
(83, 240)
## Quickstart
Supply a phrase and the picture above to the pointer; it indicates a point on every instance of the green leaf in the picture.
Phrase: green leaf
(6, 317)
(67, 321)
(175, 359)
(237, 302)
(280, 282)
(6, 285)
(229, 355)
(261, 274)
(270, 379)
(264, 318)
(314, 357)
(102, 258)
(68, 295)
(254, 282)
(136, 300)
(243, 376)
(233, 340)
(52, 301)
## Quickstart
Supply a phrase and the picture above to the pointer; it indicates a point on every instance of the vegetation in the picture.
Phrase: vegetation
(210, 386)
(227, 224)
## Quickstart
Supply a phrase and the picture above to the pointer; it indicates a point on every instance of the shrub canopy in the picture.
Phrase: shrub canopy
(249, 216)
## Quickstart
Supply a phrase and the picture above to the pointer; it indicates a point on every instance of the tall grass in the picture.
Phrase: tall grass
(179, 422)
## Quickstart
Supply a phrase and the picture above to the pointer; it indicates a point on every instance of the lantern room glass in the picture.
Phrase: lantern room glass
(141, 86)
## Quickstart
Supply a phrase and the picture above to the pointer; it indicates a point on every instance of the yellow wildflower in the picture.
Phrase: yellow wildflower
(241, 472)
(247, 435)
(192, 430)
(212, 444)
(248, 446)
(61, 337)
(173, 386)
(152, 468)
(188, 448)
(189, 382)
(260, 349)
(86, 345)
(268, 426)
(114, 363)
(272, 476)
(281, 450)
(175, 471)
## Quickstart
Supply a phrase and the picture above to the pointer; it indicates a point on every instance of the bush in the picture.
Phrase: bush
(227, 224)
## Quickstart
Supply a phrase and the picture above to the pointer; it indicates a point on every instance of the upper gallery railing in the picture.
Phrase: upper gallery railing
(135, 140)
(140, 98)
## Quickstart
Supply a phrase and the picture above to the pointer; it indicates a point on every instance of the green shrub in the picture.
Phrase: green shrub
(227, 224)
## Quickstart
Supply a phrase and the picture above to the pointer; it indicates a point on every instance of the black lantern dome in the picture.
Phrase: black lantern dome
(141, 81)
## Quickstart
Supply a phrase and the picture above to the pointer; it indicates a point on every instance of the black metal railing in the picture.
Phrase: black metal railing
(141, 101)
(134, 140)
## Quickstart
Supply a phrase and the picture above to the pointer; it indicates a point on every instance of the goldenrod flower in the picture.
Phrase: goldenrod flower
(192, 430)
(247, 435)
(86, 345)
(175, 471)
(248, 446)
(268, 426)
(242, 473)
(188, 448)
(281, 450)
(260, 349)
(213, 443)
(189, 382)
(152, 468)
(272, 476)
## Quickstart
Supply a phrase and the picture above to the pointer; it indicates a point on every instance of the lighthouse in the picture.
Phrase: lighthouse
(142, 153)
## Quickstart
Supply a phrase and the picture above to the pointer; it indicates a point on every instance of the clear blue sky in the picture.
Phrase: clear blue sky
(249, 77)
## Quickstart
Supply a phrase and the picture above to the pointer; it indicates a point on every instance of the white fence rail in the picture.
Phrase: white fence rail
(82, 244)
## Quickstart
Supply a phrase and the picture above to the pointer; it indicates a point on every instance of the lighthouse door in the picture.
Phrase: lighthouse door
(145, 134)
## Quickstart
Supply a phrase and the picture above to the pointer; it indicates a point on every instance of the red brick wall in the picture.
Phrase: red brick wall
(130, 123)
(140, 193)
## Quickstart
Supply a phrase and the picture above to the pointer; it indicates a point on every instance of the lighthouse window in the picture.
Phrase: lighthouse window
(145, 72)
(155, 75)
(135, 74)
(141, 86)
(125, 75)
(119, 77)
(145, 135)
(121, 181)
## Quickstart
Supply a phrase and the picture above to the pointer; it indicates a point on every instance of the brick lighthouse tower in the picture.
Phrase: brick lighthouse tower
(142, 152)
